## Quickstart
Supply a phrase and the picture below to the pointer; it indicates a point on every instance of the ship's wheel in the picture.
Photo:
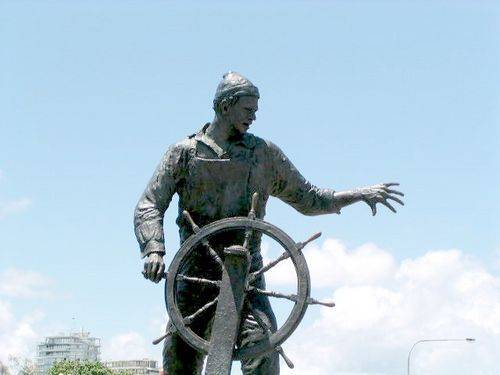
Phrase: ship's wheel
(239, 282)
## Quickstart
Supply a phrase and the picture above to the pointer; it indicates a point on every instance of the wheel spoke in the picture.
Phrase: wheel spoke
(268, 332)
(315, 236)
(189, 319)
(268, 266)
(213, 254)
(258, 319)
(170, 330)
(282, 257)
(205, 242)
(312, 301)
(269, 293)
(290, 297)
(253, 207)
(251, 215)
(191, 222)
(248, 235)
(198, 280)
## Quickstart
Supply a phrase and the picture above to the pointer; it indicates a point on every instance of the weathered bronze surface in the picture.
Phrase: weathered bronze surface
(216, 172)
(262, 336)
(228, 313)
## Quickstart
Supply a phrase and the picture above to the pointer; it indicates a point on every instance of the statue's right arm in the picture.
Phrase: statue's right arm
(149, 212)
(291, 187)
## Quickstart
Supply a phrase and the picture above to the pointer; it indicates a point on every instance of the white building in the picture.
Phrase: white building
(141, 366)
(77, 346)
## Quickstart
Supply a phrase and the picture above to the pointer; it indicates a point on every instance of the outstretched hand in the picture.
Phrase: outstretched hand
(380, 193)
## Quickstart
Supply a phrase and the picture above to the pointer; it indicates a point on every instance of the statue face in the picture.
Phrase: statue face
(242, 114)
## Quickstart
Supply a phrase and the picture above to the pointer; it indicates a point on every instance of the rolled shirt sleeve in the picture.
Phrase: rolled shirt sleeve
(292, 188)
(149, 212)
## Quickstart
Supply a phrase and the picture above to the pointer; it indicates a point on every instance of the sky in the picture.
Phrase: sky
(92, 93)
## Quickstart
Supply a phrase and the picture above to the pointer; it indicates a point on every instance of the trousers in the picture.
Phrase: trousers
(179, 358)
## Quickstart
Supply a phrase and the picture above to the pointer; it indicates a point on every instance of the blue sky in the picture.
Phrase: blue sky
(355, 92)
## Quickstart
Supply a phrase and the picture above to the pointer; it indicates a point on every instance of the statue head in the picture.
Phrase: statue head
(232, 87)
(236, 100)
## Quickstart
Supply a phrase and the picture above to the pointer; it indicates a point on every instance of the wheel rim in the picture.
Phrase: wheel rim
(303, 285)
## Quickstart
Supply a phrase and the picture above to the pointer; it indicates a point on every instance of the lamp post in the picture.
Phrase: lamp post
(468, 339)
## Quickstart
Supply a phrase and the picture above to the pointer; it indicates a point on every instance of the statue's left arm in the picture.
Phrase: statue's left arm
(292, 188)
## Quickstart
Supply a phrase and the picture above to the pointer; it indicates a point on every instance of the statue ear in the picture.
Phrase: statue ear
(224, 107)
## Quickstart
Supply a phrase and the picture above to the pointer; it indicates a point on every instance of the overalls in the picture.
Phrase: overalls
(216, 188)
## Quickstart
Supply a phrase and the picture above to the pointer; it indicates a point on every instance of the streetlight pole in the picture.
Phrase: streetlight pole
(468, 339)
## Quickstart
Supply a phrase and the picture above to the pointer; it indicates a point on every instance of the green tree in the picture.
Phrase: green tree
(82, 368)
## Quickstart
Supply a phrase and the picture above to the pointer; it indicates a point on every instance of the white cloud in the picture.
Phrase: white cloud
(383, 307)
(14, 207)
(496, 260)
(25, 284)
(129, 345)
(19, 332)
(333, 265)
(18, 336)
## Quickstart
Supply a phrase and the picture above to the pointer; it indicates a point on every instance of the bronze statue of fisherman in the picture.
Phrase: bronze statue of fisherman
(215, 172)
